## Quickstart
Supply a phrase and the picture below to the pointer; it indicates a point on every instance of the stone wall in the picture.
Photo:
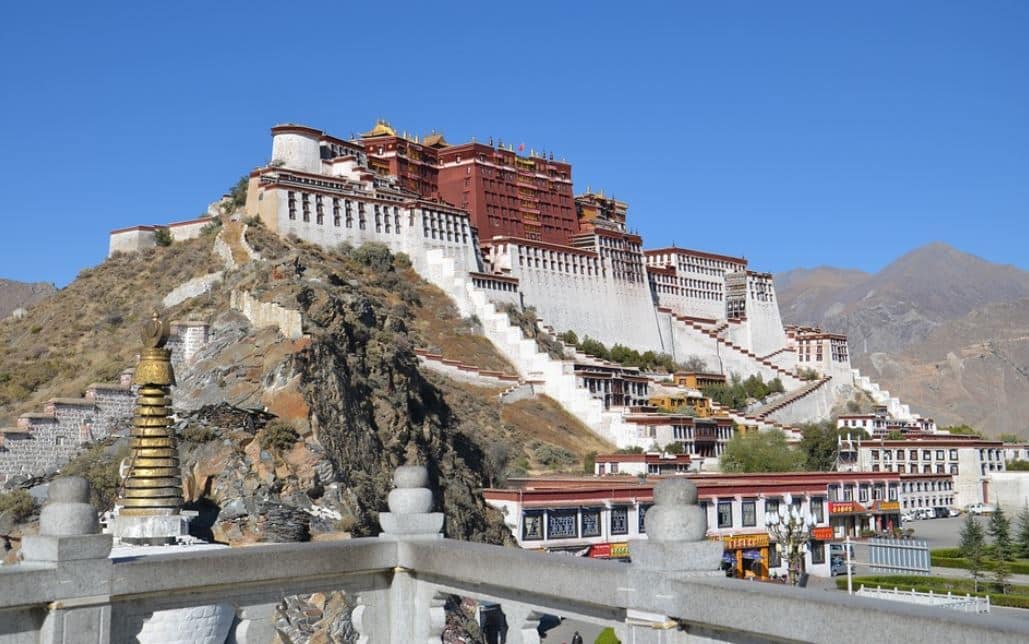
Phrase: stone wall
(263, 314)
(44, 441)
(191, 288)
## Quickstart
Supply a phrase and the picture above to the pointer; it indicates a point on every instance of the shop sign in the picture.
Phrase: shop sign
(609, 550)
(845, 507)
(822, 534)
(889, 506)
(742, 541)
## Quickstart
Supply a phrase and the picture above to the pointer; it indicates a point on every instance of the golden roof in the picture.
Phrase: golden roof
(435, 140)
(382, 128)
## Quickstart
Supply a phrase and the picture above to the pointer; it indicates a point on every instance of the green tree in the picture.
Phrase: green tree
(694, 364)
(589, 462)
(675, 448)
(1000, 531)
(1022, 538)
(761, 452)
(962, 430)
(1018, 466)
(569, 337)
(972, 546)
(1009, 438)
(775, 386)
(162, 237)
(820, 443)
(895, 435)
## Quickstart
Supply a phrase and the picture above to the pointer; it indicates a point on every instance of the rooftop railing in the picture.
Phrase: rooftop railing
(68, 589)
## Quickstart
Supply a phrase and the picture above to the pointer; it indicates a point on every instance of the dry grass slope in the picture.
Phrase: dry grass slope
(88, 331)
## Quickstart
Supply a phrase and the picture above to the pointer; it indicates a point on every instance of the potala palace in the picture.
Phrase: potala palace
(495, 227)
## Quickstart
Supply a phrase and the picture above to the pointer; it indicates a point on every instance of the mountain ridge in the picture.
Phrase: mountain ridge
(945, 330)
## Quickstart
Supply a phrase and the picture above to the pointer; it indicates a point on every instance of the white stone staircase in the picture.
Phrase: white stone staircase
(555, 377)
(880, 396)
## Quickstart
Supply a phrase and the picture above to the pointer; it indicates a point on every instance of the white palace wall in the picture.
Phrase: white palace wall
(411, 230)
(570, 291)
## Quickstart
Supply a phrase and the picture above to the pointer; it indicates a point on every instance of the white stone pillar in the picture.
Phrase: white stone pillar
(255, 624)
(676, 547)
(412, 610)
(69, 539)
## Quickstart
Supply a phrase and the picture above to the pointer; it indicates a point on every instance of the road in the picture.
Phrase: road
(942, 533)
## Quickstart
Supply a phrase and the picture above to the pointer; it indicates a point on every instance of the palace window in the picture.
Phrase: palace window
(913, 454)
(532, 525)
(749, 513)
(774, 560)
(818, 509)
(562, 524)
(642, 518)
(817, 552)
(590, 522)
(725, 514)
(771, 506)
(953, 455)
(619, 514)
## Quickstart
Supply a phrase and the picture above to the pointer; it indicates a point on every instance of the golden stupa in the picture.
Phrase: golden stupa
(153, 485)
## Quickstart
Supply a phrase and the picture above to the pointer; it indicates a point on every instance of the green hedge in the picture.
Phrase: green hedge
(1017, 567)
(1018, 597)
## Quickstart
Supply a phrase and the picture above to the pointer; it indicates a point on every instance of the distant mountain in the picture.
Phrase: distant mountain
(21, 294)
(945, 331)
(901, 304)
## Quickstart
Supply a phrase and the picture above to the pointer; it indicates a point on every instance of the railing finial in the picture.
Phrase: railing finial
(676, 532)
(410, 504)
(68, 526)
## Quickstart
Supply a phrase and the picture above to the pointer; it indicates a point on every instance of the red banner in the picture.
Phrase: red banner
(845, 507)
(822, 534)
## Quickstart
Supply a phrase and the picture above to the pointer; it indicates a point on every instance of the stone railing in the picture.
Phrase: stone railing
(69, 590)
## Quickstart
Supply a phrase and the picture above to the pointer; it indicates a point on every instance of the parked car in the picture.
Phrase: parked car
(906, 516)
(941, 512)
(839, 550)
(954, 512)
(926, 513)
(981, 508)
(839, 567)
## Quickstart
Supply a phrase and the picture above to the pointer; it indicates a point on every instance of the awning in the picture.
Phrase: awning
(751, 554)
(728, 557)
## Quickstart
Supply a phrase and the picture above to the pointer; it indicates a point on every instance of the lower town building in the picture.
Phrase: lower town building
(926, 491)
(596, 517)
(970, 461)
(652, 463)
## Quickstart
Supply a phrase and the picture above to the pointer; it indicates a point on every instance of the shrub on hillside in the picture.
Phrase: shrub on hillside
(278, 436)
(374, 255)
(99, 465)
(807, 373)
(19, 503)
(196, 434)
(238, 193)
(552, 456)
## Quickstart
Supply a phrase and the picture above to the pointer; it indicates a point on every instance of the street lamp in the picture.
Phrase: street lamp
(791, 529)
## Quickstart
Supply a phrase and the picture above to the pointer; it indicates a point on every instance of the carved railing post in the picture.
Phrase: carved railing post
(676, 547)
(522, 623)
(408, 611)
(255, 624)
(69, 539)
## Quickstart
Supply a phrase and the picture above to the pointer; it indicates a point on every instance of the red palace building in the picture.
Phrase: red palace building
(505, 193)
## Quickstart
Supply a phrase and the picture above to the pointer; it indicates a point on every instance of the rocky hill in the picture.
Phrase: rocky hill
(15, 295)
(944, 330)
(293, 439)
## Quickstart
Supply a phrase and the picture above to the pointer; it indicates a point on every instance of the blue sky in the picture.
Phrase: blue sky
(797, 134)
